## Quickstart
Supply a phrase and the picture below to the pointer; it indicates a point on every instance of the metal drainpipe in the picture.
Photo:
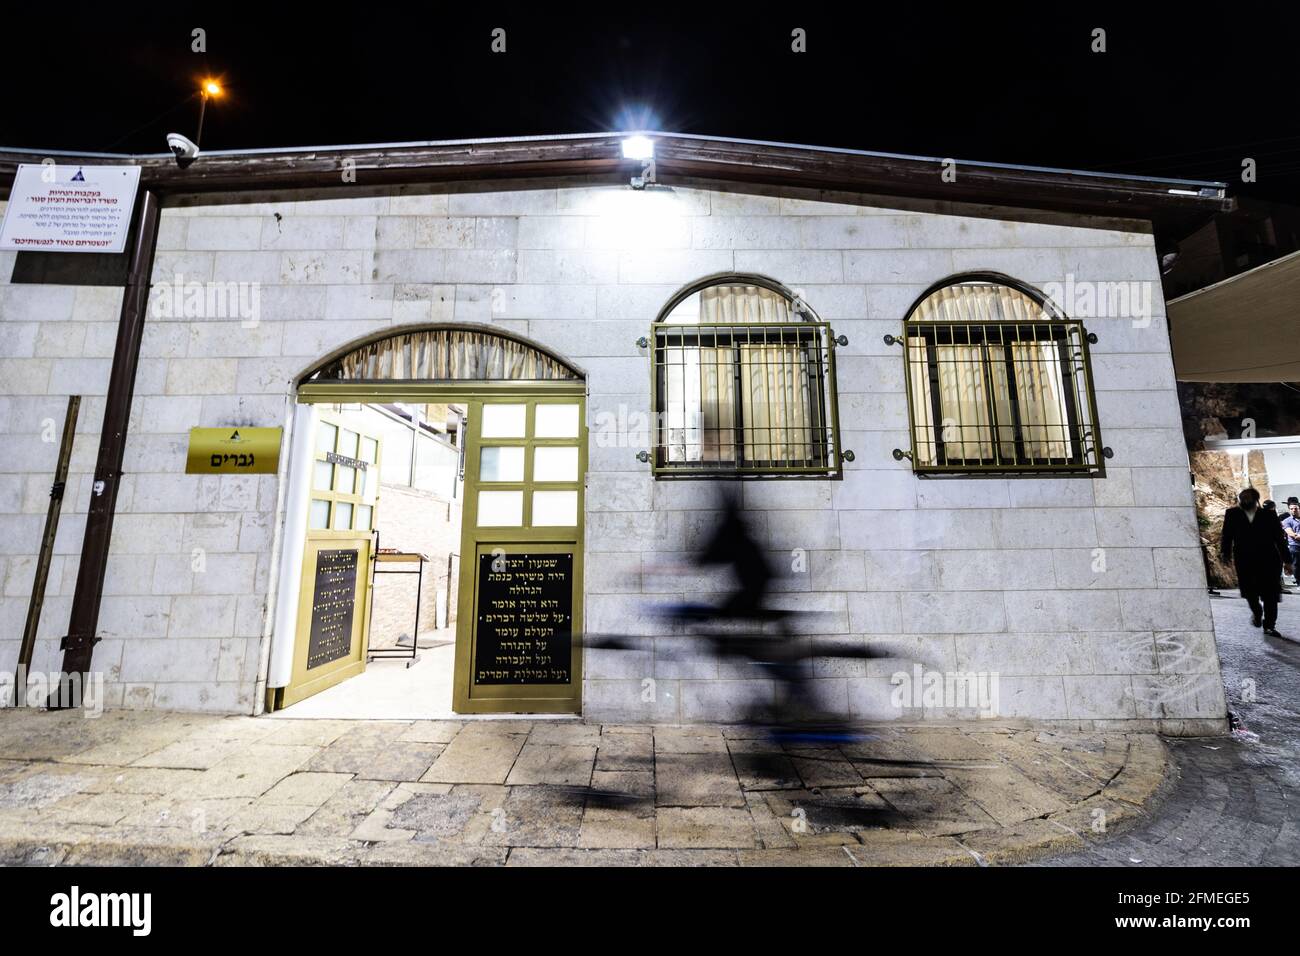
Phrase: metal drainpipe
(79, 645)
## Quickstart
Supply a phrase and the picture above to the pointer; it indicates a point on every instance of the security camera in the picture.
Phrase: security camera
(183, 148)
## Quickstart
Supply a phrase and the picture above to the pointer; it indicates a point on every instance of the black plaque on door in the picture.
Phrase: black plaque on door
(333, 602)
(524, 631)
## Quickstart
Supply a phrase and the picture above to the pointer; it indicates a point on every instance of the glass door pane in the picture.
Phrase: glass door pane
(500, 509)
(501, 463)
(326, 435)
(555, 509)
(552, 463)
(324, 477)
(556, 421)
(503, 421)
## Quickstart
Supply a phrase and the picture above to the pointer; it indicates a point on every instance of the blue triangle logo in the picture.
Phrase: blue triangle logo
(79, 178)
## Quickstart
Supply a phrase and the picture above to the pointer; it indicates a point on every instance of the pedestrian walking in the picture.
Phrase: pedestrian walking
(1253, 540)
(1291, 528)
(1271, 506)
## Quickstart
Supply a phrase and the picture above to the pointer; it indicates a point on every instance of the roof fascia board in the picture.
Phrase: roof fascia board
(715, 158)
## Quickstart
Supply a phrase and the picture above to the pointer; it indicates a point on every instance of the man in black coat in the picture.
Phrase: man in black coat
(1254, 542)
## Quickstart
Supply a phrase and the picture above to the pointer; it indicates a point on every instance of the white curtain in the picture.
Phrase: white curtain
(776, 398)
(973, 380)
(449, 354)
(743, 305)
(700, 404)
(775, 404)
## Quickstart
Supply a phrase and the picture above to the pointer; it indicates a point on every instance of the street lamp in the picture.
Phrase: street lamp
(184, 149)
(209, 88)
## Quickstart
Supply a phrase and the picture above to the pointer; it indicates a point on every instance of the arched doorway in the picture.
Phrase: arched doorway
(497, 438)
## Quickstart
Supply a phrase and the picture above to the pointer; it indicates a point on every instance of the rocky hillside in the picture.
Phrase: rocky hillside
(1218, 476)
(1226, 410)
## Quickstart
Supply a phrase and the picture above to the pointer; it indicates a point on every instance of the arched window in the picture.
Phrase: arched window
(743, 375)
(443, 354)
(998, 381)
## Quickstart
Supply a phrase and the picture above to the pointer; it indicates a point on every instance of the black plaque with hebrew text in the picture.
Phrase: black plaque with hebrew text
(524, 631)
(333, 603)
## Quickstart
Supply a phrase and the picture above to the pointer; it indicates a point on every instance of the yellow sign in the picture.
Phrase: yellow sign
(233, 451)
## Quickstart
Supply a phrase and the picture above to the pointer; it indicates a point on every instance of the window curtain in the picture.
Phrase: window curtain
(1042, 399)
(775, 403)
(923, 424)
(448, 354)
(776, 399)
(973, 379)
(966, 429)
(700, 405)
(743, 305)
(766, 383)
(775, 406)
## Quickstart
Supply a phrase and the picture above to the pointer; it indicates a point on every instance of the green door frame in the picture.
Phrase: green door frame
(503, 698)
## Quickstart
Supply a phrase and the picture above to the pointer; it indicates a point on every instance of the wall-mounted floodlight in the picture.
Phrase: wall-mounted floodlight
(638, 147)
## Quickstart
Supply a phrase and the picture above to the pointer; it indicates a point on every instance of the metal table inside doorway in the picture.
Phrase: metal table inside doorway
(399, 558)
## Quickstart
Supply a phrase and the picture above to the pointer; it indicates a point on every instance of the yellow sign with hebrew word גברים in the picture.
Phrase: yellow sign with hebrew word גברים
(233, 451)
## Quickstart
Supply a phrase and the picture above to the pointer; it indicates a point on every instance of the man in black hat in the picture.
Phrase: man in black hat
(1254, 542)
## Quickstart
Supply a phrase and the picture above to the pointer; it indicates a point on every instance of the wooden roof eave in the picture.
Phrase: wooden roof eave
(778, 165)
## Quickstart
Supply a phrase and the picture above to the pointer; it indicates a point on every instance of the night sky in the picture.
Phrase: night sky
(1183, 92)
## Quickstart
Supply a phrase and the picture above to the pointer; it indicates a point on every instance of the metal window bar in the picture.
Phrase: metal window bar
(1013, 399)
(1001, 397)
(736, 400)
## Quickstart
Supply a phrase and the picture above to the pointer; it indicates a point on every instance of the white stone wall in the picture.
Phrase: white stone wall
(422, 522)
(54, 341)
(973, 574)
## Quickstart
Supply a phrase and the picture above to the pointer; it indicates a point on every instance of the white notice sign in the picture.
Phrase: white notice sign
(69, 208)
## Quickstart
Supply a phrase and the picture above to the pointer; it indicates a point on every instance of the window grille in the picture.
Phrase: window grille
(752, 399)
(999, 383)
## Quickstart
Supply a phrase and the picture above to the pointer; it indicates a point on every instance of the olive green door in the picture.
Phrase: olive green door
(518, 637)
(334, 600)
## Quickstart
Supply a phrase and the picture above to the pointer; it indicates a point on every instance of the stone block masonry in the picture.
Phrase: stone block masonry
(993, 571)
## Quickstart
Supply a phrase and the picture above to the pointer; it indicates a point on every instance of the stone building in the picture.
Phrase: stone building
(944, 391)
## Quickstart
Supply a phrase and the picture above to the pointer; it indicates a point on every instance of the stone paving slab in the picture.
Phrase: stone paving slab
(560, 764)
(611, 828)
(153, 788)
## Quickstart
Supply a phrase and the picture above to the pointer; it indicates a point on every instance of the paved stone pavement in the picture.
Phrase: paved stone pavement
(1231, 800)
(133, 787)
(150, 787)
